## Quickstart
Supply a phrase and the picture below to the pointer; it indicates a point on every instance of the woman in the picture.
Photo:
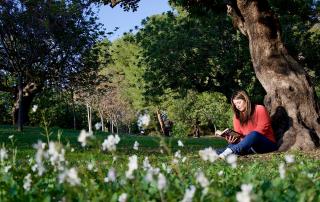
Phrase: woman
(253, 121)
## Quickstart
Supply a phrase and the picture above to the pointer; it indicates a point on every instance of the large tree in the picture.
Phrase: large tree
(290, 97)
(38, 46)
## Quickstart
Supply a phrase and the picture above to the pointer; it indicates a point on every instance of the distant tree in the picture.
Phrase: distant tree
(43, 43)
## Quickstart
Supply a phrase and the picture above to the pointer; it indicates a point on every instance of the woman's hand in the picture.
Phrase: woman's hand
(232, 139)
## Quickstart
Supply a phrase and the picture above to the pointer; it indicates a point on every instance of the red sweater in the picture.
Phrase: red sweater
(259, 122)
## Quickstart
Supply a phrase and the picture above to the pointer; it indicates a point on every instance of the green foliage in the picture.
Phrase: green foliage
(5, 107)
(56, 109)
(208, 110)
(184, 53)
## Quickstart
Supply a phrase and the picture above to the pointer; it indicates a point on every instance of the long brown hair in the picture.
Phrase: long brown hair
(244, 117)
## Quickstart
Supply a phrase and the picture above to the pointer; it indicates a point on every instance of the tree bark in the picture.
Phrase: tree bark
(290, 99)
(24, 97)
(20, 121)
(89, 117)
(160, 121)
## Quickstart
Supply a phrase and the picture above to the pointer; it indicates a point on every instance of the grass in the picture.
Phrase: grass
(301, 181)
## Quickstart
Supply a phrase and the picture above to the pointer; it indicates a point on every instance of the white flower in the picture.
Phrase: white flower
(11, 137)
(40, 154)
(111, 175)
(133, 165)
(146, 163)
(82, 138)
(166, 168)
(208, 154)
(3, 154)
(98, 125)
(180, 144)
(27, 182)
(123, 197)
(220, 173)
(201, 179)
(289, 158)
(90, 166)
(244, 195)
(136, 145)
(177, 154)
(56, 158)
(162, 182)
(71, 176)
(184, 159)
(282, 170)
(7, 168)
(188, 195)
(232, 160)
(110, 143)
(34, 108)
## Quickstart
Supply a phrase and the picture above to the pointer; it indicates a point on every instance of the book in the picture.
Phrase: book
(229, 132)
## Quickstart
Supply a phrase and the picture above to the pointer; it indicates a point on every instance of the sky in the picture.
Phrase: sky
(116, 17)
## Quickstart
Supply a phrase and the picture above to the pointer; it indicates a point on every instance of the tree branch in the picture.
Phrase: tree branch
(237, 18)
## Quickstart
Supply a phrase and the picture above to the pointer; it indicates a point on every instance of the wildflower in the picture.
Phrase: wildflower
(40, 154)
(232, 160)
(183, 159)
(3, 154)
(123, 197)
(220, 173)
(162, 182)
(7, 168)
(180, 144)
(166, 168)
(55, 157)
(111, 177)
(110, 143)
(282, 170)
(82, 138)
(208, 154)
(201, 179)
(27, 182)
(289, 158)
(133, 165)
(136, 145)
(34, 108)
(90, 166)
(188, 195)
(98, 125)
(150, 172)
(11, 137)
(71, 176)
(244, 195)
(178, 154)
(146, 163)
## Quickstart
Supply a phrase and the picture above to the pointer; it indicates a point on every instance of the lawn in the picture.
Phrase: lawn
(158, 169)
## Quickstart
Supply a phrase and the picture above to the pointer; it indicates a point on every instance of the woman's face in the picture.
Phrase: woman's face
(239, 104)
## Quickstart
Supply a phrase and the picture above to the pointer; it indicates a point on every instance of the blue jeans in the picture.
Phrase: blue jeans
(254, 142)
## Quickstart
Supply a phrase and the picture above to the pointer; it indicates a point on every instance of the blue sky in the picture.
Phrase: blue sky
(116, 17)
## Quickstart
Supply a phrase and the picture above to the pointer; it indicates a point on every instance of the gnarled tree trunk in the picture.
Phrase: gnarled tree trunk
(290, 98)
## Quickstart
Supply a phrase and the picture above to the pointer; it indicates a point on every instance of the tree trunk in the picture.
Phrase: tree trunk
(89, 116)
(160, 121)
(290, 99)
(73, 111)
(20, 120)
(101, 119)
(24, 98)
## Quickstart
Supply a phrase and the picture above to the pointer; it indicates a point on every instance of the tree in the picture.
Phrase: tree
(38, 46)
(290, 95)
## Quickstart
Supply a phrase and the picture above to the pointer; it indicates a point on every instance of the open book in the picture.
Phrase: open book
(229, 132)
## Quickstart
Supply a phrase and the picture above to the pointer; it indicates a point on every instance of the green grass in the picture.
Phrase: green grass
(301, 181)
